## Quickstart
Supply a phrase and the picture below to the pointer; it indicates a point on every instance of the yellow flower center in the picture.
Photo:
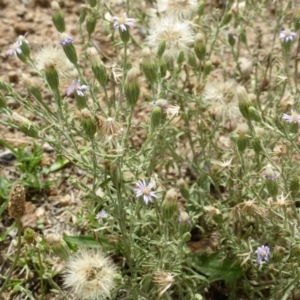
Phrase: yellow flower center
(146, 191)
(294, 116)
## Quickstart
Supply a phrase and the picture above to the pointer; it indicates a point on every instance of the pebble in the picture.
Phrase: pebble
(13, 77)
(22, 28)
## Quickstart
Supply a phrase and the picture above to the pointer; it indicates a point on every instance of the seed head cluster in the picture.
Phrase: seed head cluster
(170, 23)
(17, 199)
(222, 100)
(90, 274)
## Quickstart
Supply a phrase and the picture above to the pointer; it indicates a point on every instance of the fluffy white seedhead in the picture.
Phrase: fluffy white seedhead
(54, 56)
(222, 100)
(90, 274)
(178, 36)
(181, 9)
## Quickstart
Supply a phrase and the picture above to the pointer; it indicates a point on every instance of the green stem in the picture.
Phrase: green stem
(19, 226)
(41, 273)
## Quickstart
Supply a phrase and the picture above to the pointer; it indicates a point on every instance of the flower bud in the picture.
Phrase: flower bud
(183, 188)
(92, 3)
(296, 250)
(294, 185)
(82, 16)
(51, 76)
(207, 68)
(25, 125)
(161, 49)
(156, 117)
(124, 35)
(297, 22)
(231, 38)
(201, 8)
(200, 46)
(22, 57)
(226, 19)
(244, 102)
(254, 114)
(93, 56)
(192, 61)
(148, 65)
(272, 187)
(2, 101)
(131, 86)
(243, 36)
(34, 91)
(98, 67)
(80, 101)
(68, 47)
(180, 58)
(24, 45)
(184, 220)
(30, 236)
(294, 128)
(58, 17)
(242, 140)
(16, 201)
(91, 22)
(88, 122)
(163, 68)
(278, 253)
(242, 143)
(100, 73)
(58, 245)
(256, 144)
(170, 203)
(186, 237)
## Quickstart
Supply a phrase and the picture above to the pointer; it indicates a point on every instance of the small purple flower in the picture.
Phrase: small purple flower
(145, 190)
(76, 87)
(262, 254)
(269, 173)
(66, 41)
(287, 35)
(15, 49)
(102, 214)
(294, 117)
(123, 22)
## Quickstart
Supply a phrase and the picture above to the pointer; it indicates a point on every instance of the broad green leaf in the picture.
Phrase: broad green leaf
(88, 241)
(216, 267)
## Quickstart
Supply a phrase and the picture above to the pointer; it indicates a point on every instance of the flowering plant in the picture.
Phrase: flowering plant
(167, 138)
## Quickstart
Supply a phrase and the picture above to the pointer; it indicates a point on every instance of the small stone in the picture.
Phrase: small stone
(43, 3)
(7, 157)
(215, 60)
(13, 77)
(21, 28)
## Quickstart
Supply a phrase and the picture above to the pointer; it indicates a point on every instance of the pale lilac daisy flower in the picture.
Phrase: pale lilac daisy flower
(294, 117)
(145, 190)
(123, 22)
(262, 254)
(76, 87)
(65, 39)
(287, 35)
(14, 49)
(102, 214)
